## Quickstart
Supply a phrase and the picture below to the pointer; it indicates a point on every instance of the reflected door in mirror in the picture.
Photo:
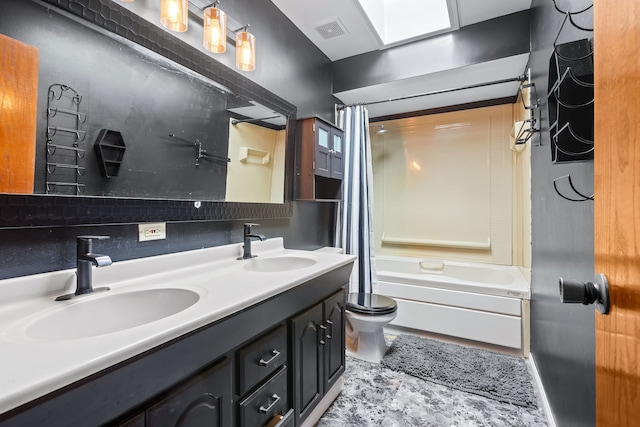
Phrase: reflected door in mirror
(18, 112)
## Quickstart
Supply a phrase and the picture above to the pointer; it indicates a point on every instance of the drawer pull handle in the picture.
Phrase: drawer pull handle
(275, 353)
(324, 328)
(275, 399)
(329, 322)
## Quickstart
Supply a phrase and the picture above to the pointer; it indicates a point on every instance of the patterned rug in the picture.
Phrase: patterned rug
(486, 373)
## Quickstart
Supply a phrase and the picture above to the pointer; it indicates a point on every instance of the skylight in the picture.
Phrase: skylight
(400, 20)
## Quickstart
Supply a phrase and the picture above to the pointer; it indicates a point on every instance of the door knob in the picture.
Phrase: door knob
(573, 291)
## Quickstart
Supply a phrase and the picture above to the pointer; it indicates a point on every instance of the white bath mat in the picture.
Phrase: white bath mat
(486, 373)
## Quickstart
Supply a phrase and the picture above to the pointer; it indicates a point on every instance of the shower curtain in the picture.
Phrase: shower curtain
(355, 232)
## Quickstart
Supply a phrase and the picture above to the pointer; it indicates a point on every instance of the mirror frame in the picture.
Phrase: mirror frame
(22, 210)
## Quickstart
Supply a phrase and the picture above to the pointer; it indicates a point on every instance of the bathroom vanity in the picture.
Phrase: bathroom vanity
(253, 341)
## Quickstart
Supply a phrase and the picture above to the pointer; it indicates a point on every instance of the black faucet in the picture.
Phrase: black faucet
(248, 237)
(85, 259)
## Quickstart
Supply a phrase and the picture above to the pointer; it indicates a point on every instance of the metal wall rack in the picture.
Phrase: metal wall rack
(63, 138)
(570, 99)
(531, 104)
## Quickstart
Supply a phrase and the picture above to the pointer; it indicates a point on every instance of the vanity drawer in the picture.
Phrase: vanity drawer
(261, 358)
(267, 401)
(286, 420)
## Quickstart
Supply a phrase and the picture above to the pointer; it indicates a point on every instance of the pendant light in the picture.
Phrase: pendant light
(215, 29)
(174, 15)
(245, 49)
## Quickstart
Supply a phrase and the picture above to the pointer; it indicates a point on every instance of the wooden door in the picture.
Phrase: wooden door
(617, 208)
(18, 112)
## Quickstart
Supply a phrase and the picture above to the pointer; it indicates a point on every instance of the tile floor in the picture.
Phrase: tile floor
(377, 396)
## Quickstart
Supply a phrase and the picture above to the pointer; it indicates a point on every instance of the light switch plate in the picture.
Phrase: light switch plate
(152, 231)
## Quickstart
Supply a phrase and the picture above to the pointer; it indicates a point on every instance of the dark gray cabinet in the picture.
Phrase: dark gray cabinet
(320, 163)
(318, 347)
(242, 370)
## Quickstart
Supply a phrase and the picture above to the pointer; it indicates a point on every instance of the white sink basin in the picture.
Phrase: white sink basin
(107, 313)
(278, 264)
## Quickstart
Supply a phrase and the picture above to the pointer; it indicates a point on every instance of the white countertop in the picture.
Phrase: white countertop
(30, 368)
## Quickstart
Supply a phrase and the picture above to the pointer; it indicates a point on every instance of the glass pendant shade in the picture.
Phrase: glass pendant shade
(245, 51)
(215, 30)
(174, 15)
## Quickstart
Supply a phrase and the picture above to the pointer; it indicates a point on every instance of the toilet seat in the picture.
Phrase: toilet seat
(370, 304)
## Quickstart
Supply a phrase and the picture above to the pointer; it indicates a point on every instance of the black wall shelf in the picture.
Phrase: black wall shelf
(110, 148)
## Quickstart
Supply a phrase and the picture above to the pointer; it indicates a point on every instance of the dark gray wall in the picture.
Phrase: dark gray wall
(145, 103)
(27, 251)
(287, 63)
(291, 67)
(562, 335)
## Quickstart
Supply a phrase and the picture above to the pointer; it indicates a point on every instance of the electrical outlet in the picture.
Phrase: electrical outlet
(152, 231)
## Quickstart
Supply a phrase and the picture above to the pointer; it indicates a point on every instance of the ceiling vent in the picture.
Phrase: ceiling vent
(332, 29)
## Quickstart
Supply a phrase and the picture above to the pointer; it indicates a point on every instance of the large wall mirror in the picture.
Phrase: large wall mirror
(136, 125)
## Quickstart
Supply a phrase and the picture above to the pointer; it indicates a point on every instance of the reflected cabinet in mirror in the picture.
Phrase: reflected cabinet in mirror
(131, 124)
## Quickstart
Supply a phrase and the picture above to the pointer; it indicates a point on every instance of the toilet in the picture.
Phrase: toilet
(366, 315)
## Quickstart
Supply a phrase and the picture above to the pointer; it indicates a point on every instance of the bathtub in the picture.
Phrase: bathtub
(480, 302)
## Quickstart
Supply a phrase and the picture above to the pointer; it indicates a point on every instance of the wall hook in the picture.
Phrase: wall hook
(555, 4)
(200, 153)
(569, 15)
(583, 197)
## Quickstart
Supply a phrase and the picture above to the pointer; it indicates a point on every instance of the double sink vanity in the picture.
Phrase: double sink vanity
(191, 338)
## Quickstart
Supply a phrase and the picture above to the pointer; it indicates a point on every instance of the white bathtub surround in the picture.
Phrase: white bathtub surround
(425, 207)
(474, 301)
(224, 285)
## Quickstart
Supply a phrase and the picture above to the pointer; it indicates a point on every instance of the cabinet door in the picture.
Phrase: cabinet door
(307, 361)
(323, 149)
(203, 401)
(334, 338)
(337, 147)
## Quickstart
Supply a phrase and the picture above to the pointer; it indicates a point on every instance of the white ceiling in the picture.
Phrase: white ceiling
(360, 38)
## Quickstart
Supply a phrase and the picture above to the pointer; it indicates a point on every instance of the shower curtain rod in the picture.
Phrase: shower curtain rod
(520, 78)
